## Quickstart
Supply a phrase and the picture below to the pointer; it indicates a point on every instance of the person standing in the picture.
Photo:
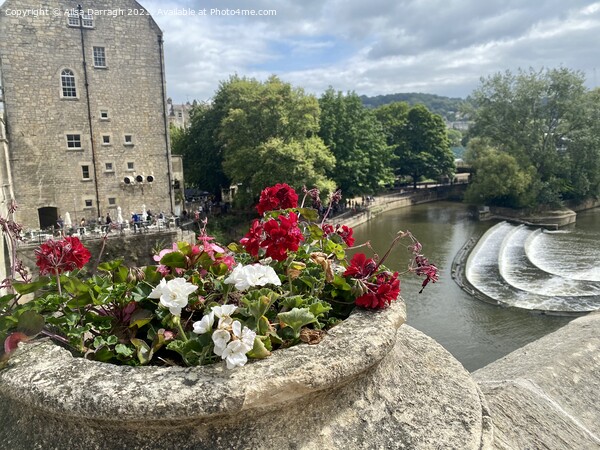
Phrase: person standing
(107, 223)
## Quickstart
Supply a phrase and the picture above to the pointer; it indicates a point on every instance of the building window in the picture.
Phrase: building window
(112, 201)
(73, 19)
(87, 20)
(89, 203)
(85, 172)
(104, 114)
(67, 80)
(130, 165)
(108, 167)
(99, 57)
(105, 139)
(129, 139)
(74, 141)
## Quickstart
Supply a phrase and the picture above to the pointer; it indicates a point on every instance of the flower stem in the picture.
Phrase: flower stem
(177, 321)
(58, 283)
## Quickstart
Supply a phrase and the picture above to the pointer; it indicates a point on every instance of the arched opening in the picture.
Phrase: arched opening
(48, 216)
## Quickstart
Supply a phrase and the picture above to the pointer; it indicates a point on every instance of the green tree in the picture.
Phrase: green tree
(454, 137)
(177, 139)
(356, 139)
(202, 153)
(269, 135)
(423, 148)
(536, 117)
(499, 179)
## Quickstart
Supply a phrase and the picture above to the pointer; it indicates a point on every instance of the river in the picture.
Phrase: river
(476, 333)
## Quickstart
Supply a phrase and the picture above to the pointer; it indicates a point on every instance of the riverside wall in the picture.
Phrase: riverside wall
(401, 199)
(134, 249)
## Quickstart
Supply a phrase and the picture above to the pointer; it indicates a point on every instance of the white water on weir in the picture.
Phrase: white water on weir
(534, 269)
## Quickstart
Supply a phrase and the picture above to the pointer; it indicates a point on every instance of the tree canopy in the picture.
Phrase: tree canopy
(356, 139)
(419, 139)
(542, 119)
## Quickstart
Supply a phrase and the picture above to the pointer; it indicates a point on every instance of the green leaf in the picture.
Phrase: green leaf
(191, 351)
(340, 283)
(259, 350)
(310, 214)
(316, 233)
(296, 319)
(31, 323)
(6, 299)
(121, 274)
(235, 248)
(259, 302)
(151, 275)
(109, 266)
(296, 301)
(144, 352)
(140, 318)
(218, 269)
(103, 354)
(123, 350)
(319, 308)
(28, 288)
(174, 259)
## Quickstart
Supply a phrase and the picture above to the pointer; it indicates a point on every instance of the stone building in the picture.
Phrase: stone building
(85, 105)
(179, 114)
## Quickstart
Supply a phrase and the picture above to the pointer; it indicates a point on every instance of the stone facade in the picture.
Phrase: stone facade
(86, 109)
(5, 198)
(179, 114)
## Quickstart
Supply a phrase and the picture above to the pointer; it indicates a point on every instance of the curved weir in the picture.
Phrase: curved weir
(509, 264)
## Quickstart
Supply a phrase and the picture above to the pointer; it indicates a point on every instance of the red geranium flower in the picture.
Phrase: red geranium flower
(346, 234)
(55, 257)
(280, 196)
(282, 235)
(424, 267)
(381, 293)
(360, 266)
(251, 242)
(327, 229)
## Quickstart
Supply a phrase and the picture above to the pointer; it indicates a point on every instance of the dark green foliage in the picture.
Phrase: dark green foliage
(544, 120)
(447, 107)
(356, 139)
(419, 139)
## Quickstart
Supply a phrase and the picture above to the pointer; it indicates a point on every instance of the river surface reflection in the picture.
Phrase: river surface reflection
(476, 333)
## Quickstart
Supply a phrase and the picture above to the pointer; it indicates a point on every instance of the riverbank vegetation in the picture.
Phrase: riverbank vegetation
(255, 134)
(535, 139)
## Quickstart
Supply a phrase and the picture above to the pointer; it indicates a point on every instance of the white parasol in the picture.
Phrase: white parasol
(67, 222)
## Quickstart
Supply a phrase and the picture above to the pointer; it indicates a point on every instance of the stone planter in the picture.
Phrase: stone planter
(369, 384)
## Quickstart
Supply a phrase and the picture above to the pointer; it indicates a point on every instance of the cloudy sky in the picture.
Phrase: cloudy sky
(372, 46)
(375, 46)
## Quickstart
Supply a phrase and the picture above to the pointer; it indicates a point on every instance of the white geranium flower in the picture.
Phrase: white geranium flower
(244, 277)
(173, 294)
(235, 354)
(205, 324)
(248, 337)
(224, 313)
(220, 339)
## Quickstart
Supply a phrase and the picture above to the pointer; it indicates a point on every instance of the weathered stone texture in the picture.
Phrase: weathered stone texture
(545, 395)
(33, 52)
(365, 386)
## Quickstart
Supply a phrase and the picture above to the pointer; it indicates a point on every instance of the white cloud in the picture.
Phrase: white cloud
(374, 47)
